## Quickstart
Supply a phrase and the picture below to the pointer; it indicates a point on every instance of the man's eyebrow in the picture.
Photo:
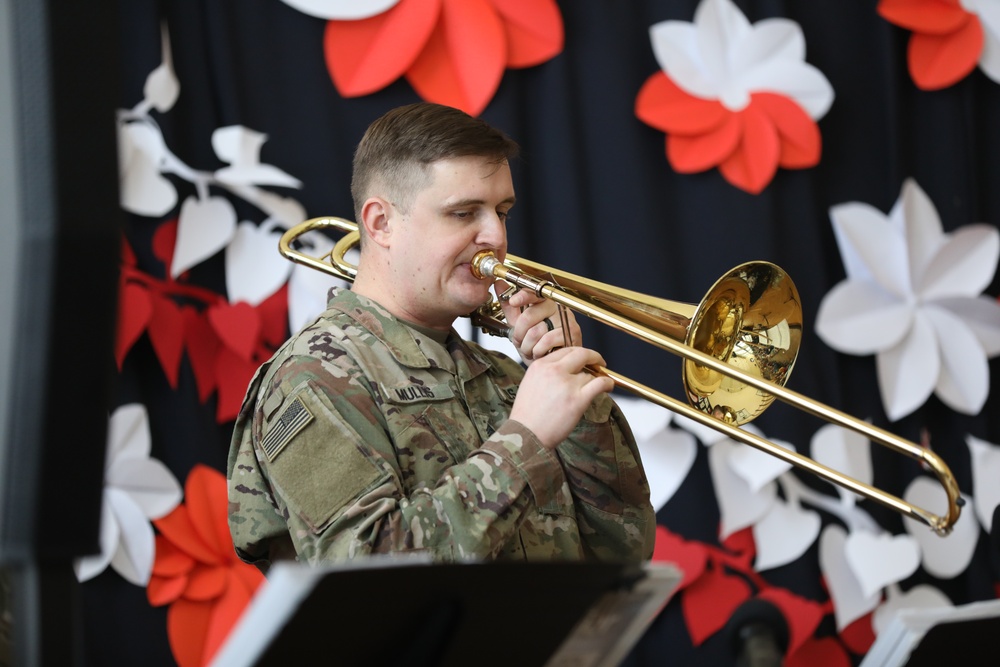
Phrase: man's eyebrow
(477, 202)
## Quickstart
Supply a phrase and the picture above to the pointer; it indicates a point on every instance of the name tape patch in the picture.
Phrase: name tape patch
(295, 418)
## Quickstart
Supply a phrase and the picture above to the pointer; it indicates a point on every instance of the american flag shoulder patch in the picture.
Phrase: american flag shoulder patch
(295, 418)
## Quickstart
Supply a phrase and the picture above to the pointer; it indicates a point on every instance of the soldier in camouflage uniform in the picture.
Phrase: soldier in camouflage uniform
(377, 429)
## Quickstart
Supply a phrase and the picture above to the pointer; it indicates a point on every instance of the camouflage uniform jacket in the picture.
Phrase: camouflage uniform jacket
(362, 436)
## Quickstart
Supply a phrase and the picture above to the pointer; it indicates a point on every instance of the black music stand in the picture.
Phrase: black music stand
(965, 635)
(410, 613)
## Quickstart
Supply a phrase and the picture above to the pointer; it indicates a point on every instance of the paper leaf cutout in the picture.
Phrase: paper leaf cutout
(204, 227)
(850, 602)
(254, 268)
(944, 558)
(710, 601)
(880, 560)
(985, 473)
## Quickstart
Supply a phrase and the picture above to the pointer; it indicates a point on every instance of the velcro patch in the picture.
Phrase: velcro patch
(295, 418)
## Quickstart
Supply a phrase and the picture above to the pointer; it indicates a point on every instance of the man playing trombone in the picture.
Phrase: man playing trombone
(377, 429)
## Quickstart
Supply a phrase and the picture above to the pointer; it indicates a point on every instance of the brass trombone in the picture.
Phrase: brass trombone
(739, 345)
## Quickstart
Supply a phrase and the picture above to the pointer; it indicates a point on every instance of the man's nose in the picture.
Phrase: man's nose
(493, 232)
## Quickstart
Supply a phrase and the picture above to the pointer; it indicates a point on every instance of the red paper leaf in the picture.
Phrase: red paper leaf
(134, 313)
(859, 636)
(234, 375)
(819, 652)
(187, 629)
(238, 326)
(799, 135)
(939, 61)
(754, 162)
(463, 60)
(207, 582)
(534, 30)
(207, 502)
(273, 313)
(802, 616)
(171, 561)
(665, 106)
(165, 590)
(202, 347)
(367, 55)
(927, 16)
(247, 575)
(691, 154)
(709, 602)
(690, 557)
(179, 529)
(164, 242)
(166, 333)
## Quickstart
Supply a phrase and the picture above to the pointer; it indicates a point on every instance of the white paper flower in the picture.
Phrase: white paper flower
(137, 489)
(722, 56)
(912, 298)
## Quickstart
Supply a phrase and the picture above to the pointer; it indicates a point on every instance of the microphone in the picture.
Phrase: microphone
(758, 634)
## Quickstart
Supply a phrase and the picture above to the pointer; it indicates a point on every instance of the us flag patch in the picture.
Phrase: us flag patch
(295, 417)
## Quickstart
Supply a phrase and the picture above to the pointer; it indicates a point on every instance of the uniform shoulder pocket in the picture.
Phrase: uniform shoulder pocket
(315, 457)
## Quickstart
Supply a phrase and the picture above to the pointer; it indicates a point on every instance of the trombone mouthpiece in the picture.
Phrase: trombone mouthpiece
(484, 263)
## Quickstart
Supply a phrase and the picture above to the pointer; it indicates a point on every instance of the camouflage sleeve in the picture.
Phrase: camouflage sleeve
(609, 486)
(333, 464)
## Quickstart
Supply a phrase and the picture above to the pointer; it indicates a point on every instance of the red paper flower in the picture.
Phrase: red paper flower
(947, 41)
(452, 52)
(734, 96)
(197, 571)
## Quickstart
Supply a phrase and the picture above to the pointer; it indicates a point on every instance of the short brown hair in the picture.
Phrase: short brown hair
(396, 149)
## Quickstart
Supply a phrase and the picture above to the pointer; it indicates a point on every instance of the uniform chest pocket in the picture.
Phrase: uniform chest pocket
(431, 429)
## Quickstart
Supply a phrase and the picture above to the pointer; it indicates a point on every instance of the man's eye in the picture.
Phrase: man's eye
(503, 215)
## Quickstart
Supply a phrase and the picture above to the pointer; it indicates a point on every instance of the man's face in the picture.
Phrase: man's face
(462, 211)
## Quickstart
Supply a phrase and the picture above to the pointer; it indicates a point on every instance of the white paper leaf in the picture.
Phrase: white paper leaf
(739, 506)
(149, 484)
(341, 10)
(133, 559)
(254, 268)
(985, 473)
(784, 534)
(756, 467)
(240, 147)
(849, 601)
(908, 372)
(880, 560)
(162, 88)
(844, 450)
(204, 227)
(143, 189)
(667, 458)
(88, 567)
(942, 557)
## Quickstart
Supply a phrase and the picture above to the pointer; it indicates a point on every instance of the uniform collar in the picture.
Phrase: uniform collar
(408, 346)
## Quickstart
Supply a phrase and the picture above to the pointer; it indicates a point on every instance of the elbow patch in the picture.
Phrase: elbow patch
(314, 457)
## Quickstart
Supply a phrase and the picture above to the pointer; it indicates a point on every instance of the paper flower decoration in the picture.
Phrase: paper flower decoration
(197, 572)
(735, 96)
(950, 37)
(912, 298)
(452, 52)
(137, 488)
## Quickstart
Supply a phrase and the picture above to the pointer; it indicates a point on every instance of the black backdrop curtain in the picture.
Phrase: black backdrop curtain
(597, 197)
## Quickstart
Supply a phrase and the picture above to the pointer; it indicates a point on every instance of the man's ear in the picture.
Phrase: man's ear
(376, 218)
